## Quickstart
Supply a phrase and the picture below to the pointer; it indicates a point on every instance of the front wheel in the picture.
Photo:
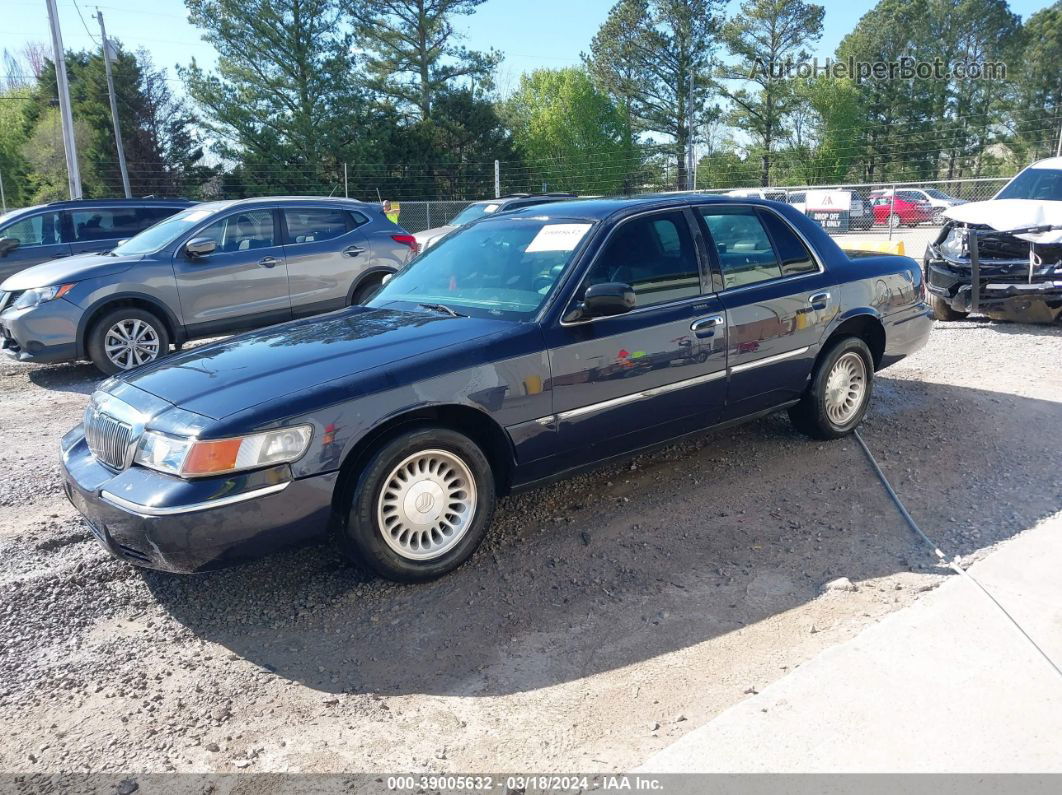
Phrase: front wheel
(839, 393)
(941, 309)
(420, 506)
(126, 338)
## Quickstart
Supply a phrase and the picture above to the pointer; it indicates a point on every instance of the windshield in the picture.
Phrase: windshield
(936, 194)
(498, 268)
(1043, 184)
(163, 233)
(474, 212)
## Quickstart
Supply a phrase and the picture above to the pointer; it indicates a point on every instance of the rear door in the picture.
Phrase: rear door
(629, 380)
(778, 299)
(325, 248)
(243, 283)
(39, 241)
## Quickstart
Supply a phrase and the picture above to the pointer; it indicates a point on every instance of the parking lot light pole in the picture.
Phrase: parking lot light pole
(114, 107)
(73, 174)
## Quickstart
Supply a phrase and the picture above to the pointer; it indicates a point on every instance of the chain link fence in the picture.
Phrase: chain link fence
(911, 212)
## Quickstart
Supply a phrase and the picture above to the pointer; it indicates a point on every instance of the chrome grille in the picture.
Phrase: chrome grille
(108, 438)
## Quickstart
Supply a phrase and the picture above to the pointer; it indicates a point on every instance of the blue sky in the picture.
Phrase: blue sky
(540, 33)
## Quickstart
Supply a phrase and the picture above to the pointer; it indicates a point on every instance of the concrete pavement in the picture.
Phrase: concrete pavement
(946, 685)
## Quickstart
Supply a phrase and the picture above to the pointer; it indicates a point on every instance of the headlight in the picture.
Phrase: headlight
(39, 295)
(192, 458)
(954, 245)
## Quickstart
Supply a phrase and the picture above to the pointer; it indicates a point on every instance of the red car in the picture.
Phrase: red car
(906, 207)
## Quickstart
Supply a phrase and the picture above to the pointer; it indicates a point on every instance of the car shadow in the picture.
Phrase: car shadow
(647, 557)
(80, 377)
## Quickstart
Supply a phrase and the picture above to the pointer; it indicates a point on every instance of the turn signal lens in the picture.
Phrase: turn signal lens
(191, 458)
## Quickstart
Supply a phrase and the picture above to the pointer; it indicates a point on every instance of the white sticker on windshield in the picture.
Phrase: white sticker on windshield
(490, 208)
(558, 237)
(197, 215)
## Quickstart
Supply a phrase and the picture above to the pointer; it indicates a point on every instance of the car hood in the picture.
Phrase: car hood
(1007, 214)
(68, 269)
(233, 375)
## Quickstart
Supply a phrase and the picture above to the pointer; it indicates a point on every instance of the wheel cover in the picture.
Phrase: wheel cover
(130, 343)
(426, 505)
(846, 388)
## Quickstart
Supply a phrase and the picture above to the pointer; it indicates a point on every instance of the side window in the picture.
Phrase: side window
(103, 223)
(358, 219)
(312, 225)
(37, 230)
(792, 252)
(742, 246)
(655, 255)
(243, 231)
(149, 216)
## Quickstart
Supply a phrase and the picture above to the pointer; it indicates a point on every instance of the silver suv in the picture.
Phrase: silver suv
(212, 269)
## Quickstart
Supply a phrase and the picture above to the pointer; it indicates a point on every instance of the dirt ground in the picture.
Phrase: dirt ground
(605, 616)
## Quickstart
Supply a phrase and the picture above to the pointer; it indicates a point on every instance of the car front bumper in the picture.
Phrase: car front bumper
(163, 522)
(46, 333)
(1004, 287)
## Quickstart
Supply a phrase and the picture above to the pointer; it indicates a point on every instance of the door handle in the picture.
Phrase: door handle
(268, 262)
(705, 327)
(819, 300)
(353, 251)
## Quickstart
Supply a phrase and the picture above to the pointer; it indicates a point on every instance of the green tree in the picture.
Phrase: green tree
(898, 141)
(1038, 83)
(15, 129)
(649, 52)
(570, 135)
(282, 100)
(767, 37)
(824, 141)
(413, 52)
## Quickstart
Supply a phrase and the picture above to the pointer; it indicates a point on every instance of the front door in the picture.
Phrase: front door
(629, 380)
(38, 239)
(242, 284)
(778, 301)
(325, 252)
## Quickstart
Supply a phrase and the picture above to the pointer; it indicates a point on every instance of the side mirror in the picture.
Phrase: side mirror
(605, 300)
(8, 244)
(200, 247)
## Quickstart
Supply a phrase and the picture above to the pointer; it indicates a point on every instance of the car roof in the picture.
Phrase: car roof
(600, 209)
(1051, 162)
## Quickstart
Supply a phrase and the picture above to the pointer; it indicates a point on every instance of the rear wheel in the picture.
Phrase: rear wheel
(126, 338)
(893, 221)
(838, 396)
(420, 506)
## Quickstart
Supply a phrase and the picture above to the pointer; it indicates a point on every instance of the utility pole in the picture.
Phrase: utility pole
(73, 175)
(1058, 152)
(346, 191)
(3, 199)
(114, 106)
(497, 179)
(690, 165)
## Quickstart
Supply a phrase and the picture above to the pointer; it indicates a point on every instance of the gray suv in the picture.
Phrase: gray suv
(212, 269)
(82, 226)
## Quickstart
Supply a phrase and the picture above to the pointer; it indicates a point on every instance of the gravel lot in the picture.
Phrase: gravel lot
(605, 616)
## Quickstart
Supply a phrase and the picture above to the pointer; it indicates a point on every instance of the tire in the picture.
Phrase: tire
(821, 412)
(378, 530)
(893, 221)
(136, 323)
(941, 310)
(366, 290)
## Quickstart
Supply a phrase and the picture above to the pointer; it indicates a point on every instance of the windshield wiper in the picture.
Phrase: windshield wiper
(443, 308)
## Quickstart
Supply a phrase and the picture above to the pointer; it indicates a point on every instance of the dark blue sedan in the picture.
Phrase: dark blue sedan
(519, 349)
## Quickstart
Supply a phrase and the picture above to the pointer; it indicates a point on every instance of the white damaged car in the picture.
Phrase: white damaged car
(1019, 248)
